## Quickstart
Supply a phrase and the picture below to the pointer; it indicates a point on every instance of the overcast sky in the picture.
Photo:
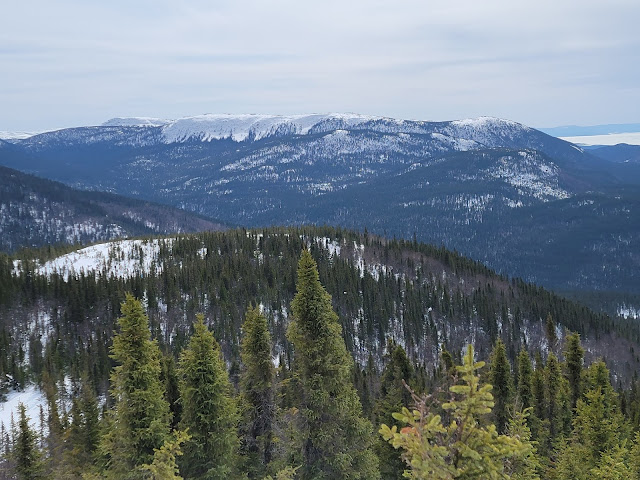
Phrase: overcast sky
(543, 63)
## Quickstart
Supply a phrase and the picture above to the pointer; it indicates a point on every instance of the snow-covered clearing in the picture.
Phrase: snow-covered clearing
(32, 398)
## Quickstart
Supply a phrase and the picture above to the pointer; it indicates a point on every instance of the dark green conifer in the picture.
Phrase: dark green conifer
(574, 357)
(393, 396)
(27, 456)
(336, 439)
(139, 422)
(502, 381)
(209, 412)
(525, 374)
(257, 391)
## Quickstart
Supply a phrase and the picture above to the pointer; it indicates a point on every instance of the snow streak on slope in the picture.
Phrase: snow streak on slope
(32, 398)
(123, 259)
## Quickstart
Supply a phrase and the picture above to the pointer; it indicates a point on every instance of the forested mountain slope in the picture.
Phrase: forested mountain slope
(480, 186)
(36, 212)
(424, 298)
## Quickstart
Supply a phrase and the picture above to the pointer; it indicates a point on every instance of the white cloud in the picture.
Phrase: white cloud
(543, 63)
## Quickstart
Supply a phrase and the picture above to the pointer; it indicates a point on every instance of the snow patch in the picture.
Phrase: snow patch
(32, 398)
(122, 259)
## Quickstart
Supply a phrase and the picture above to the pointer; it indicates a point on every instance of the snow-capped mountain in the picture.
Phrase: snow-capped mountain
(464, 183)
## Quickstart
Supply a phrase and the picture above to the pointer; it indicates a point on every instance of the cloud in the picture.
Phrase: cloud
(543, 63)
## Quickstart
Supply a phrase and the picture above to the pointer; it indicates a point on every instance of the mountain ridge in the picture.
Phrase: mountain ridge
(464, 183)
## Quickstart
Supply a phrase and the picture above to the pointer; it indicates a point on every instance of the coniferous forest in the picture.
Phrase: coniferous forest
(311, 353)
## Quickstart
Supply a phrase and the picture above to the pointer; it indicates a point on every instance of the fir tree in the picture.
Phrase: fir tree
(209, 413)
(550, 330)
(466, 447)
(500, 378)
(393, 396)
(27, 456)
(525, 374)
(257, 389)
(336, 440)
(139, 422)
(574, 357)
(164, 466)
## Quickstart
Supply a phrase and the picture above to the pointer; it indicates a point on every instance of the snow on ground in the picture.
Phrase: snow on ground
(16, 135)
(628, 311)
(242, 127)
(608, 139)
(124, 259)
(32, 397)
(135, 122)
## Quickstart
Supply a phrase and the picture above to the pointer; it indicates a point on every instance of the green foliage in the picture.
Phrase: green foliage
(467, 447)
(28, 458)
(257, 394)
(574, 358)
(526, 465)
(164, 466)
(336, 439)
(599, 431)
(209, 413)
(393, 396)
(502, 381)
(525, 373)
(139, 421)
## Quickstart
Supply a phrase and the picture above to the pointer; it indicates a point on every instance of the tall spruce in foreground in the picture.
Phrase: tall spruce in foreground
(257, 388)
(139, 422)
(336, 439)
(209, 412)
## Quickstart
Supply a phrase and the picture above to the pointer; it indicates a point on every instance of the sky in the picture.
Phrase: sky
(542, 63)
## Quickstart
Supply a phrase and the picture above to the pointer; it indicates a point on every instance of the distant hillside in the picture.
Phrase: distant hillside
(423, 297)
(621, 153)
(36, 212)
(523, 202)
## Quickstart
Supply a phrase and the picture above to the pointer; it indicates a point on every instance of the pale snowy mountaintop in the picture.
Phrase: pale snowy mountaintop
(253, 126)
(135, 122)
(16, 135)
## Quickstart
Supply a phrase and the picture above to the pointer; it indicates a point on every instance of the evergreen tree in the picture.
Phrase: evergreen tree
(525, 374)
(139, 422)
(393, 396)
(553, 395)
(500, 378)
(164, 466)
(336, 440)
(550, 330)
(574, 357)
(209, 413)
(257, 389)
(27, 456)
(465, 448)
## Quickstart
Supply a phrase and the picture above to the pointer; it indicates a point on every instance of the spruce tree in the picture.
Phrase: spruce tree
(27, 456)
(393, 396)
(500, 378)
(257, 390)
(525, 374)
(139, 422)
(574, 357)
(466, 447)
(336, 439)
(209, 412)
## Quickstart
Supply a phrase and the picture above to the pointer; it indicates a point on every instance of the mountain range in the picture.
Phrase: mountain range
(525, 203)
